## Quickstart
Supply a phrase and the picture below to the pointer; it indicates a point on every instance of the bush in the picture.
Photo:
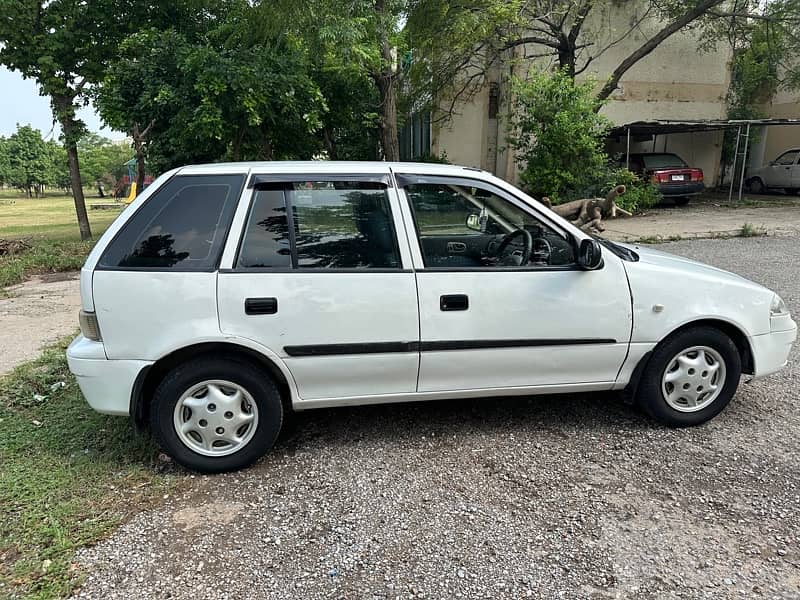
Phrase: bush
(558, 136)
(639, 194)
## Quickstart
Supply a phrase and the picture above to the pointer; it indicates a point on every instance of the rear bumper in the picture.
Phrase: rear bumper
(681, 189)
(771, 350)
(106, 384)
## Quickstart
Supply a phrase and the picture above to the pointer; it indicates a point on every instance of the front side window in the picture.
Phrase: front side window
(321, 225)
(181, 227)
(463, 226)
(787, 158)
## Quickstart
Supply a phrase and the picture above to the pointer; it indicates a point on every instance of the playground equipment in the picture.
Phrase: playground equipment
(130, 179)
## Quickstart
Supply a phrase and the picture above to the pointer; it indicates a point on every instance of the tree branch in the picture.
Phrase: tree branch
(653, 43)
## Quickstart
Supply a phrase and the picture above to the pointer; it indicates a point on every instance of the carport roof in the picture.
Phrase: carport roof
(664, 126)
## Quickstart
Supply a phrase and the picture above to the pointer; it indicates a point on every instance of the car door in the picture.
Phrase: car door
(503, 323)
(780, 171)
(320, 278)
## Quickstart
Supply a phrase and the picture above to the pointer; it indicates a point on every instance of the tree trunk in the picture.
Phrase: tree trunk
(388, 122)
(65, 113)
(140, 169)
(386, 80)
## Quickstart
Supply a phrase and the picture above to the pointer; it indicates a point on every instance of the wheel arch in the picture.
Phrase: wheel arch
(148, 379)
(734, 332)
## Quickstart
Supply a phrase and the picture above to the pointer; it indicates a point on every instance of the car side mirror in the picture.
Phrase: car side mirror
(474, 222)
(590, 256)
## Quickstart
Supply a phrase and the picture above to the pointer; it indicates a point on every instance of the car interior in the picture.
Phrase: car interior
(463, 227)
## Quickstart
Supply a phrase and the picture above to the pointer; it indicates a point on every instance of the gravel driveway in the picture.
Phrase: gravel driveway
(545, 497)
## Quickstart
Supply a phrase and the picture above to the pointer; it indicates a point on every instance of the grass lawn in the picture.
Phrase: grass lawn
(50, 226)
(68, 476)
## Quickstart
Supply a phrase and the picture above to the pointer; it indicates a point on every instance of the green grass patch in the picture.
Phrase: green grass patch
(50, 226)
(68, 476)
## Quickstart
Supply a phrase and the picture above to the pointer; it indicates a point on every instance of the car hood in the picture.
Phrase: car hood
(671, 261)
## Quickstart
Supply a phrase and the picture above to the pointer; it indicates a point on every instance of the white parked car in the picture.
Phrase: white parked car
(781, 173)
(228, 294)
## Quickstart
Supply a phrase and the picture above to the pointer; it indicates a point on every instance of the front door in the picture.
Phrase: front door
(513, 310)
(782, 169)
(319, 279)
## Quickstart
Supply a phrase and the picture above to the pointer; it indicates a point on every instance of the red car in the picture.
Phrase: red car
(670, 173)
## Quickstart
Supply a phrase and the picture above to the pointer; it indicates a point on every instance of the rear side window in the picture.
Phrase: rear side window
(182, 227)
(321, 225)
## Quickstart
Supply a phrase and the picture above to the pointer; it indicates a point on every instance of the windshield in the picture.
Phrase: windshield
(662, 161)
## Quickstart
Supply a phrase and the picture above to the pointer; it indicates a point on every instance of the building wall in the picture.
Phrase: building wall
(777, 138)
(676, 81)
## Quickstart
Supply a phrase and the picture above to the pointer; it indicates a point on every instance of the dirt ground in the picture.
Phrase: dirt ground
(710, 215)
(37, 313)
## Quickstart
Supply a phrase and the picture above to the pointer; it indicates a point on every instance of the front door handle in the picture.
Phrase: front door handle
(454, 302)
(261, 306)
(456, 247)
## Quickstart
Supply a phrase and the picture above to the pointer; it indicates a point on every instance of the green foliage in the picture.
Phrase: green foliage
(103, 161)
(639, 194)
(557, 136)
(27, 162)
(215, 96)
(67, 476)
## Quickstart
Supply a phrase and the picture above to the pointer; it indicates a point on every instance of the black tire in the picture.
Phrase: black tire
(650, 395)
(681, 200)
(791, 191)
(757, 186)
(239, 371)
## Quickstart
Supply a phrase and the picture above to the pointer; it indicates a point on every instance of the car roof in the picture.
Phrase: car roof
(324, 167)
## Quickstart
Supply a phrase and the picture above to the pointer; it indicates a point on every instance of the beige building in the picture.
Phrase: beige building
(676, 81)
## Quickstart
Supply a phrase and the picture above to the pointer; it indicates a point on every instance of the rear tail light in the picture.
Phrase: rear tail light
(697, 175)
(89, 326)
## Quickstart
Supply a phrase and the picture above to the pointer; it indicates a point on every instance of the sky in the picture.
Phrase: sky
(21, 103)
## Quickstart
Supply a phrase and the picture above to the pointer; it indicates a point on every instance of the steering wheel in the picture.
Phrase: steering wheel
(518, 257)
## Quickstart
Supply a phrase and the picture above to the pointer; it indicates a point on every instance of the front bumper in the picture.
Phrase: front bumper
(771, 350)
(106, 384)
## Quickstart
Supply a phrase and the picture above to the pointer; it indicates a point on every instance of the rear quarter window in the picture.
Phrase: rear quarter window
(181, 227)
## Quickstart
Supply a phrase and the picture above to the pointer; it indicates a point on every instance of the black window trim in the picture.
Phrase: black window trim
(405, 179)
(214, 266)
(284, 182)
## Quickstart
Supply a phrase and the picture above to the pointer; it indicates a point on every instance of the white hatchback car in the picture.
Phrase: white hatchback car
(228, 294)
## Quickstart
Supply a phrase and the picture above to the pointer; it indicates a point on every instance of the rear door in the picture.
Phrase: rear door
(322, 279)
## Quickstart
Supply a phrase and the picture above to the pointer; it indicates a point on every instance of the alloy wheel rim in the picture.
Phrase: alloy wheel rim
(693, 379)
(215, 418)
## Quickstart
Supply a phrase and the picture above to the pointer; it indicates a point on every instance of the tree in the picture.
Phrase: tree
(558, 136)
(103, 161)
(460, 41)
(366, 36)
(28, 161)
(224, 92)
(64, 46)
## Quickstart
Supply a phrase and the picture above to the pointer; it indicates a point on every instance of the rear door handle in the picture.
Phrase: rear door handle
(454, 302)
(261, 306)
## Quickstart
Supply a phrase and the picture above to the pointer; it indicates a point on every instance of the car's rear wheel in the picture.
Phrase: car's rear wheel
(214, 415)
(681, 200)
(690, 377)
(791, 191)
(757, 186)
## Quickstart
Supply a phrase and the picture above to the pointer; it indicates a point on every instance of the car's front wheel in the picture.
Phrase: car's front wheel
(215, 415)
(690, 377)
